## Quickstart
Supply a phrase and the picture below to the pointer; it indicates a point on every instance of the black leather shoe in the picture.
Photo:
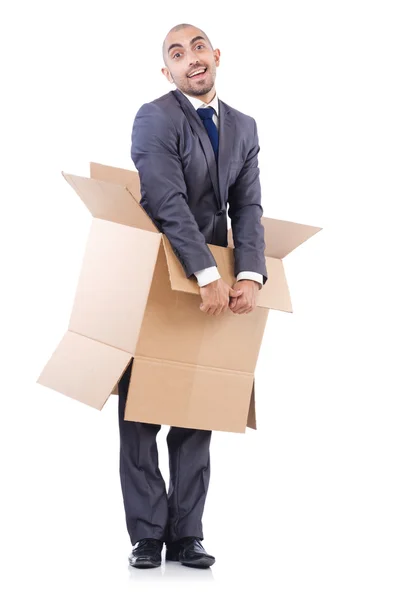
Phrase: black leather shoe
(190, 552)
(146, 554)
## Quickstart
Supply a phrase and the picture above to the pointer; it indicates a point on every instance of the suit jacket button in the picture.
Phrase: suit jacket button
(220, 213)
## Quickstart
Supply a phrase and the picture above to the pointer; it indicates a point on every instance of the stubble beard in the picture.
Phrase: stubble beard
(198, 90)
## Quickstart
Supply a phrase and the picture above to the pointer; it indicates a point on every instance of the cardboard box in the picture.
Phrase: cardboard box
(133, 300)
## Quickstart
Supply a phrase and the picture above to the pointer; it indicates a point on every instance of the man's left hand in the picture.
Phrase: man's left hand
(247, 301)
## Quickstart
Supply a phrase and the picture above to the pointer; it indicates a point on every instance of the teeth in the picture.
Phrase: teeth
(197, 72)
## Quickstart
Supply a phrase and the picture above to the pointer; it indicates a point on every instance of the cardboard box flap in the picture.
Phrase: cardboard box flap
(251, 420)
(197, 397)
(282, 237)
(275, 294)
(114, 284)
(124, 177)
(84, 369)
(111, 202)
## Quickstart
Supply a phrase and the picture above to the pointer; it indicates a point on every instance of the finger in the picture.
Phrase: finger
(233, 303)
(242, 309)
(223, 307)
(207, 309)
(238, 310)
(235, 293)
(216, 310)
(249, 309)
(238, 303)
(233, 306)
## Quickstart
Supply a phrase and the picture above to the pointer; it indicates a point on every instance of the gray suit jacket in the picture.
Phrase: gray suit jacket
(186, 193)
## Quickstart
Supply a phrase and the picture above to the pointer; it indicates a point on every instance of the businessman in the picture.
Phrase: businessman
(197, 157)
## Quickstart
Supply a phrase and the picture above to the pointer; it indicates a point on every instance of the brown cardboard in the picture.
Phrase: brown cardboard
(133, 300)
(282, 237)
(274, 294)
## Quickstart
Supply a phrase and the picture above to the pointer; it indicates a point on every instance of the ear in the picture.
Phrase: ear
(217, 54)
(167, 74)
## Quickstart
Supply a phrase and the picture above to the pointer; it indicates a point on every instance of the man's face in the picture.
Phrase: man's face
(187, 51)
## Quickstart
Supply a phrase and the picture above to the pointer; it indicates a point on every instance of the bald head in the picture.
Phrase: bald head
(190, 61)
(170, 37)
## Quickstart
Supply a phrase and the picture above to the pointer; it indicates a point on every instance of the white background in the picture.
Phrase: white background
(306, 506)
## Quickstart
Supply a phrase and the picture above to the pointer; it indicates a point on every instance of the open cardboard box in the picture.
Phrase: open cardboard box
(133, 300)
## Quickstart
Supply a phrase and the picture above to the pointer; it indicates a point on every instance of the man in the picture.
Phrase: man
(194, 154)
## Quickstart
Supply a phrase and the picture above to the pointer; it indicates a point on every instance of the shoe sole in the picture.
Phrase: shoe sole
(203, 562)
(145, 564)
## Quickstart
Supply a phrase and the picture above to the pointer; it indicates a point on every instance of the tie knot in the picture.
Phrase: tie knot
(206, 113)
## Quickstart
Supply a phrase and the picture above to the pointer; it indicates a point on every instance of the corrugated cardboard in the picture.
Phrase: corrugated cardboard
(133, 300)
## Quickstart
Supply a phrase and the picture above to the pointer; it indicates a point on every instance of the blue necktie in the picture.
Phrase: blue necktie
(205, 115)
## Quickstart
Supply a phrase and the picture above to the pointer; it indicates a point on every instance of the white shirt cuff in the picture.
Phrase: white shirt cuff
(206, 276)
(250, 275)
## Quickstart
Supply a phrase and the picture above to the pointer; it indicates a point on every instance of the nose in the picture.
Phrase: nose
(191, 56)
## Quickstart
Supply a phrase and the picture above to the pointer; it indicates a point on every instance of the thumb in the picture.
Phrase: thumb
(235, 293)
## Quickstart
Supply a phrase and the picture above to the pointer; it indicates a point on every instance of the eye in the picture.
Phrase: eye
(176, 54)
(202, 46)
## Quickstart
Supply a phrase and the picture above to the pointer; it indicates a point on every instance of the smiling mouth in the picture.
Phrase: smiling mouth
(199, 75)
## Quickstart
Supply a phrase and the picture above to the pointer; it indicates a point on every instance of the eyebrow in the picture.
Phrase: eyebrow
(198, 37)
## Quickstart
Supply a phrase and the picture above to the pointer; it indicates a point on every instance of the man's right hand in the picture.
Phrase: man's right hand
(215, 297)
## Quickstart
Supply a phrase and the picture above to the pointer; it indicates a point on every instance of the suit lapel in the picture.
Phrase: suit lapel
(227, 127)
(197, 125)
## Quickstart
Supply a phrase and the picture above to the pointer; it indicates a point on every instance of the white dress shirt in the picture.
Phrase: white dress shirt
(210, 274)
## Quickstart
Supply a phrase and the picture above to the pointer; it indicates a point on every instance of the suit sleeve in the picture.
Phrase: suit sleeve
(245, 212)
(154, 151)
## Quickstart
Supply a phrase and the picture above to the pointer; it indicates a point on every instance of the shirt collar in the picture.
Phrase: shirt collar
(197, 103)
